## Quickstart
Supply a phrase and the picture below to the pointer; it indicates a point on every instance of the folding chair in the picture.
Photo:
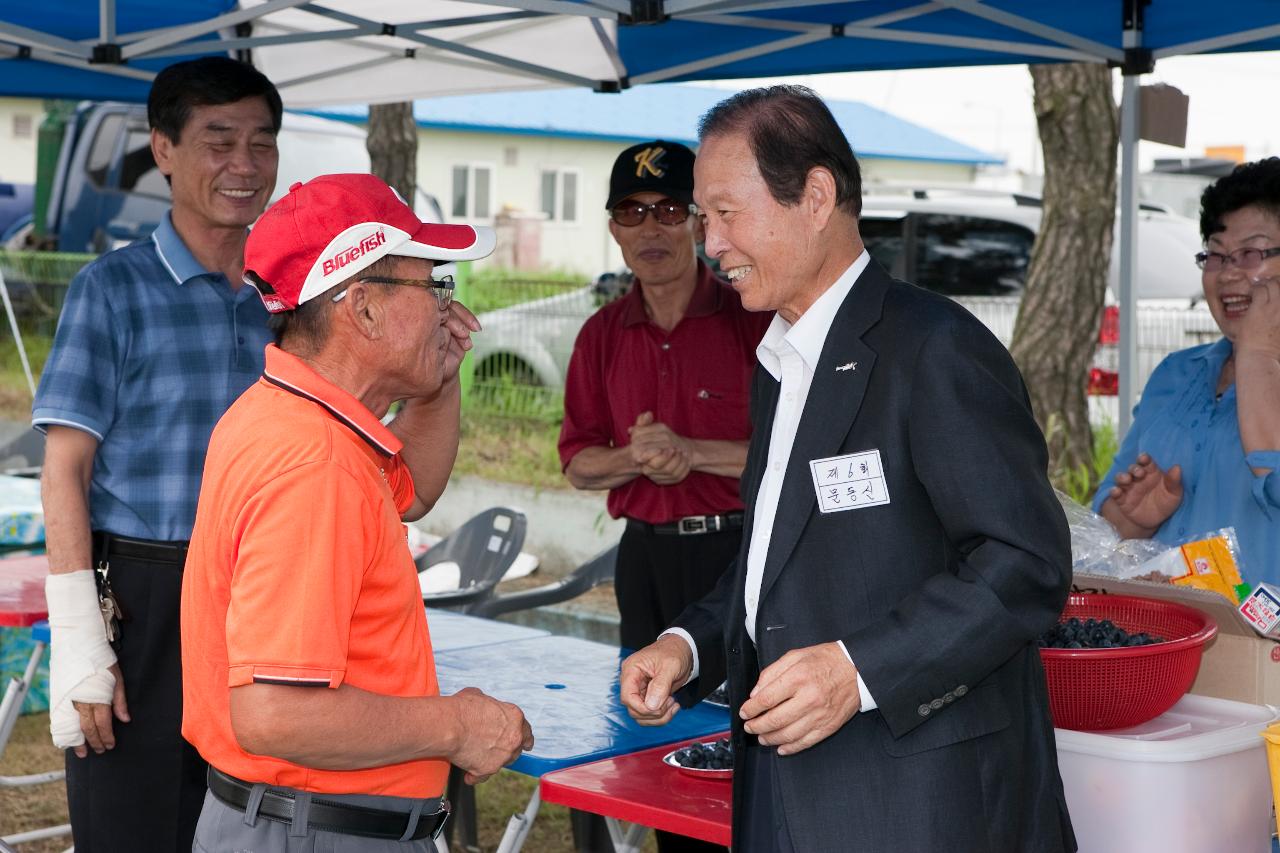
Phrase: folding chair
(23, 454)
(599, 569)
(483, 549)
(10, 707)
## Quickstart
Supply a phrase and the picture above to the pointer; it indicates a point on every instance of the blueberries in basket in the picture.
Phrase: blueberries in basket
(1075, 633)
(706, 756)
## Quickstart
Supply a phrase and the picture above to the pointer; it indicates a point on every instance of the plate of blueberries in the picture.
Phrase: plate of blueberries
(710, 760)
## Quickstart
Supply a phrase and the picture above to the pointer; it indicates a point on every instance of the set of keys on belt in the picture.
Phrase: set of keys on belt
(107, 603)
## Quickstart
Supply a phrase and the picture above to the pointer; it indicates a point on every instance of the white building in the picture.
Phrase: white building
(537, 164)
(547, 156)
(19, 119)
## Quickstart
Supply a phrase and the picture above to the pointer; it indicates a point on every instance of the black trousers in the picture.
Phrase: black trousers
(145, 795)
(658, 576)
(763, 824)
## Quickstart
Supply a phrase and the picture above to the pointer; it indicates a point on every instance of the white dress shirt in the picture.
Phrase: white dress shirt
(790, 353)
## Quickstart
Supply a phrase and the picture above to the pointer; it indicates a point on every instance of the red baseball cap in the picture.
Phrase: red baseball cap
(328, 229)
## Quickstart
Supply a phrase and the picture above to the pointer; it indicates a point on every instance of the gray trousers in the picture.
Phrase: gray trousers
(224, 829)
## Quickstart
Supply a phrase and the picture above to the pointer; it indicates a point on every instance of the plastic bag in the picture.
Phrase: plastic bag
(1096, 547)
(1210, 561)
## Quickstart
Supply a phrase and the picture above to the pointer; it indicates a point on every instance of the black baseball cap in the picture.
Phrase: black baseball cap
(658, 167)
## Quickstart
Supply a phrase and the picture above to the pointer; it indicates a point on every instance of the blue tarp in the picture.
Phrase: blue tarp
(1177, 26)
(1168, 23)
(77, 20)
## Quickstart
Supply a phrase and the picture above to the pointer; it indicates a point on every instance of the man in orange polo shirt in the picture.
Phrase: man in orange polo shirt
(308, 678)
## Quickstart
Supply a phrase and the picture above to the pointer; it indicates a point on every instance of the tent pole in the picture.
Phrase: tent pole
(17, 335)
(1128, 342)
(107, 21)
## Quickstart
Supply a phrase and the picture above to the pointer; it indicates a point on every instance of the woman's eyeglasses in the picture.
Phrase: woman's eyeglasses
(442, 287)
(1241, 259)
(666, 212)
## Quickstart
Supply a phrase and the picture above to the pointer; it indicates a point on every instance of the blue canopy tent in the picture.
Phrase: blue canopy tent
(326, 52)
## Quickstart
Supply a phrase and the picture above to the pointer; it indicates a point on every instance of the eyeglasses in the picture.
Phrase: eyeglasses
(442, 287)
(1241, 259)
(666, 212)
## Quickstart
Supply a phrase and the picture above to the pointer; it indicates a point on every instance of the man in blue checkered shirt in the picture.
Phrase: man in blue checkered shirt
(156, 340)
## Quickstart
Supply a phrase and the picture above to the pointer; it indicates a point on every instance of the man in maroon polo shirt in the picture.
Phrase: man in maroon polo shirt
(656, 397)
(656, 402)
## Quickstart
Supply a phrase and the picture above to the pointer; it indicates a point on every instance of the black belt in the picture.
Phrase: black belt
(691, 524)
(327, 815)
(108, 545)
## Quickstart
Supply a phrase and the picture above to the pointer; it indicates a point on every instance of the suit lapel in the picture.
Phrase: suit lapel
(764, 402)
(833, 402)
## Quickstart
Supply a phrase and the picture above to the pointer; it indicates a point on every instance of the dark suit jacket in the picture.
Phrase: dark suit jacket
(938, 595)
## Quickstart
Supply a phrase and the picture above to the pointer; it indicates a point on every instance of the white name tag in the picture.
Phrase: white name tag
(855, 481)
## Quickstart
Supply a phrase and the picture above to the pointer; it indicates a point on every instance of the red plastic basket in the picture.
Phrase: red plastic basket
(1096, 689)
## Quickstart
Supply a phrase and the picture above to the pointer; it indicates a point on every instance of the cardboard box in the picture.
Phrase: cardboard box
(1237, 664)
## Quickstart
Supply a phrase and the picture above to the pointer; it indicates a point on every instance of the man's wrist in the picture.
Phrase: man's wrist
(681, 644)
(867, 702)
(696, 453)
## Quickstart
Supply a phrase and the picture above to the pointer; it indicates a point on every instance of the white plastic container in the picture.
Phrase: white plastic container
(1193, 780)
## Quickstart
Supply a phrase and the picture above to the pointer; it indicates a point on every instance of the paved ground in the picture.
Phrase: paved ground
(566, 527)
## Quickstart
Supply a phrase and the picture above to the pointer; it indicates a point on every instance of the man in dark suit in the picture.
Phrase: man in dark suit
(902, 549)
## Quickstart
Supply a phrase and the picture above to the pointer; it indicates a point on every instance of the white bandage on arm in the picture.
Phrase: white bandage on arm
(79, 654)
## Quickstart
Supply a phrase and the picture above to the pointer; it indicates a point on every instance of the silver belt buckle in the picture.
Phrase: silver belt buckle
(691, 524)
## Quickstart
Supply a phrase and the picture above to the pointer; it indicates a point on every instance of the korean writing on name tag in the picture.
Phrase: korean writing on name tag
(848, 482)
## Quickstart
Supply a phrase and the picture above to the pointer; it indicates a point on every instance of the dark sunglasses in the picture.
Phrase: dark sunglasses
(665, 211)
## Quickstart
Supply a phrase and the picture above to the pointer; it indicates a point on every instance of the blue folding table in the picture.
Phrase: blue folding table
(451, 630)
(568, 691)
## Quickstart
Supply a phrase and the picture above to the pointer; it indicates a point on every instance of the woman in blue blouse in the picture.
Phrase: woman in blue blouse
(1204, 449)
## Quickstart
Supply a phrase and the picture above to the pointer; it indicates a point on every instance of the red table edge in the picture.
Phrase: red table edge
(21, 620)
(707, 830)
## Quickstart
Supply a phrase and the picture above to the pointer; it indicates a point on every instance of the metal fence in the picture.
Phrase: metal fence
(520, 357)
(525, 348)
(530, 323)
(1164, 326)
(37, 284)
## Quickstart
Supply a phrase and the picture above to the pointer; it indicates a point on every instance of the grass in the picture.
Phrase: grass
(494, 446)
(510, 450)
(505, 395)
(15, 398)
(1081, 483)
(488, 290)
(35, 806)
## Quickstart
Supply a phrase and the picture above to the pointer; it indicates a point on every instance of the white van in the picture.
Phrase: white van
(107, 191)
(975, 246)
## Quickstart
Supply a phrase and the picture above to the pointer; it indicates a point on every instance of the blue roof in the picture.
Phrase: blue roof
(661, 112)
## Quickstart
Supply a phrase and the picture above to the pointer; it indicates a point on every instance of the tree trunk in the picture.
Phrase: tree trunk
(393, 147)
(1056, 332)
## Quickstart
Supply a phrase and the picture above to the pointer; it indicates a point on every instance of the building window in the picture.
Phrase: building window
(560, 194)
(472, 192)
(23, 126)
